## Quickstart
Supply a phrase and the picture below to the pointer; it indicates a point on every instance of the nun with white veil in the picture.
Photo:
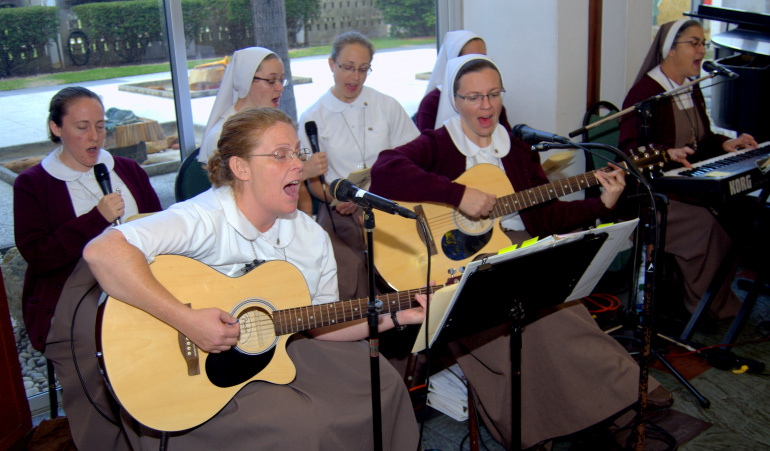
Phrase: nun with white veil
(254, 78)
(699, 239)
(434, 108)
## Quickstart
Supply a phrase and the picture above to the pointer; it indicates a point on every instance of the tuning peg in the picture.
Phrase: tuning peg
(451, 271)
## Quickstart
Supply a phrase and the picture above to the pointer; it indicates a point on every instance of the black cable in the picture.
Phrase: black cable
(427, 341)
(75, 360)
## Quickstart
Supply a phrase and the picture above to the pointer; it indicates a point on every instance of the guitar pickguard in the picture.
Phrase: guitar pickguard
(458, 246)
(231, 367)
(254, 350)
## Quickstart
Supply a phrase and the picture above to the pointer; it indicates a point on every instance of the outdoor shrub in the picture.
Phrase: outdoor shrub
(231, 25)
(123, 27)
(24, 32)
(408, 18)
(196, 15)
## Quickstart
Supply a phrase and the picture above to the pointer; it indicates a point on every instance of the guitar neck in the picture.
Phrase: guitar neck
(533, 196)
(293, 320)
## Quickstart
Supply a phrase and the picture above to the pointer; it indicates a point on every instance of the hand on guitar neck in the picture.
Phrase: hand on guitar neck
(614, 182)
(478, 204)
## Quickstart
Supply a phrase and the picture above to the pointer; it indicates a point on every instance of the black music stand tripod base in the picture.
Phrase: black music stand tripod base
(479, 305)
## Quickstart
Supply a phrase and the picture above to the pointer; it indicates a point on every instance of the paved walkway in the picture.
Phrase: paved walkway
(23, 112)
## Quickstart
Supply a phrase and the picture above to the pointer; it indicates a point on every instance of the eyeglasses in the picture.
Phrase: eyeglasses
(274, 81)
(349, 68)
(476, 99)
(285, 155)
(696, 43)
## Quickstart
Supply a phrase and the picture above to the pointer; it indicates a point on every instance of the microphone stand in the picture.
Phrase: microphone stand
(373, 316)
(657, 239)
(644, 104)
(649, 291)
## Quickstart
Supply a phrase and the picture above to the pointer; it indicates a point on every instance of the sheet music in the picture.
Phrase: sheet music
(443, 299)
(618, 236)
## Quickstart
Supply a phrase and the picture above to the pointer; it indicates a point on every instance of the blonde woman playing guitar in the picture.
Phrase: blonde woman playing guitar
(250, 217)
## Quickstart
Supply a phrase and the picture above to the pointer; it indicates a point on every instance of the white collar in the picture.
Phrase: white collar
(279, 235)
(335, 105)
(53, 165)
(501, 141)
(662, 79)
(683, 98)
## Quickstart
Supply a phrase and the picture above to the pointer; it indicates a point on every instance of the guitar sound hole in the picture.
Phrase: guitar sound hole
(257, 331)
(459, 246)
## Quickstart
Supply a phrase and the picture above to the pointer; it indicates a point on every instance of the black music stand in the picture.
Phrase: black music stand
(478, 305)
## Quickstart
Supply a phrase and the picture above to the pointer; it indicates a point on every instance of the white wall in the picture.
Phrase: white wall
(626, 37)
(541, 48)
(521, 37)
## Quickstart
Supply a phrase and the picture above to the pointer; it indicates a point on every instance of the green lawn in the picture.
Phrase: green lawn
(79, 76)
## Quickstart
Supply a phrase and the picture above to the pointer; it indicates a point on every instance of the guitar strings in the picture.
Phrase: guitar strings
(535, 195)
(286, 321)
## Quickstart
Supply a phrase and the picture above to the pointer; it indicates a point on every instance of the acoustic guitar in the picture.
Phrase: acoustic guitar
(400, 252)
(166, 383)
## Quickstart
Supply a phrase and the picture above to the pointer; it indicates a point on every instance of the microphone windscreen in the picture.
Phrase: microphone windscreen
(343, 190)
(334, 189)
(517, 131)
(101, 173)
(311, 128)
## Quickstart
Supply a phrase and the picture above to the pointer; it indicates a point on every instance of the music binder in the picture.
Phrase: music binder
(557, 269)
(510, 288)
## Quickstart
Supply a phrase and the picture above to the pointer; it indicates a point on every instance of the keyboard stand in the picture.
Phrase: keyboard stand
(763, 277)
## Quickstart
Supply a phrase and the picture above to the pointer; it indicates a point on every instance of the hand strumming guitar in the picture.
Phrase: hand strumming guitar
(477, 203)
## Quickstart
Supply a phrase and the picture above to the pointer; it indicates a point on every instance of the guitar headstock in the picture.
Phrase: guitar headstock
(455, 274)
(651, 160)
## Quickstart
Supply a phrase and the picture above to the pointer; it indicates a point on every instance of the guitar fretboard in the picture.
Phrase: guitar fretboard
(290, 321)
(533, 196)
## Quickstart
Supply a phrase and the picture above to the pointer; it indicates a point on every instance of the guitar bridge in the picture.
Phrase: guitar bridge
(422, 220)
(190, 354)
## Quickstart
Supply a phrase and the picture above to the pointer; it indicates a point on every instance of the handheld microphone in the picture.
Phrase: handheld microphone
(532, 136)
(103, 178)
(718, 69)
(345, 191)
(311, 130)
(312, 135)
